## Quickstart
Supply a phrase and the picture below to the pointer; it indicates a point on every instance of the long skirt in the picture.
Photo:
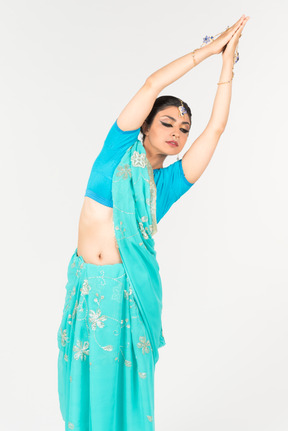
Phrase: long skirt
(105, 363)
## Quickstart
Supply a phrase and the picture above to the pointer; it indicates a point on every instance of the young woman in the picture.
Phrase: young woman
(111, 327)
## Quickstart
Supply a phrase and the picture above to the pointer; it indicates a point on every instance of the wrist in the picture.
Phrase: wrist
(201, 53)
(228, 62)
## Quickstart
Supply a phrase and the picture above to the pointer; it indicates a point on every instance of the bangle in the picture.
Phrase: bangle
(193, 53)
(226, 82)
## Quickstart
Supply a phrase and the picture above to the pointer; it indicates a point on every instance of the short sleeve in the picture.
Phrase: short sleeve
(99, 185)
(120, 140)
(171, 184)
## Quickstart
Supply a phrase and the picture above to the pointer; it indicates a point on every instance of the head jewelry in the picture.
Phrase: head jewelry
(182, 109)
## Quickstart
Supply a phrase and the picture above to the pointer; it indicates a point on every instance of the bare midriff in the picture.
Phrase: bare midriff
(96, 237)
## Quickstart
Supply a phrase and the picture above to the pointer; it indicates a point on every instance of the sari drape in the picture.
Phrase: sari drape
(134, 196)
(111, 328)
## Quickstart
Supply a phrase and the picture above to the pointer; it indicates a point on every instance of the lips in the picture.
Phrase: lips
(173, 143)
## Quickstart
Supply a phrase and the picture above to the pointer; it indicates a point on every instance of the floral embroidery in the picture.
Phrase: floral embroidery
(123, 171)
(85, 288)
(108, 348)
(144, 345)
(64, 337)
(96, 320)
(127, 294)
(80, 313)
(138, 160)
(73, 313)
(150, 418)
(153, 196)
(121, 229)
(143, 230)
(81, 349)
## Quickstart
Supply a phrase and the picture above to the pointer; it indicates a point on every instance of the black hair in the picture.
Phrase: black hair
(163, 102)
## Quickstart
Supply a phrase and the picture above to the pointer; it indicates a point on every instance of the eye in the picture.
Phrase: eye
(165, 124)
(170, 125)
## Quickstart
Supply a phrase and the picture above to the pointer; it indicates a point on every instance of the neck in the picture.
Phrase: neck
(155, 158)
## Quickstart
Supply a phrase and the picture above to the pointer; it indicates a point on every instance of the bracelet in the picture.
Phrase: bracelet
(226, 82)
(193, 53)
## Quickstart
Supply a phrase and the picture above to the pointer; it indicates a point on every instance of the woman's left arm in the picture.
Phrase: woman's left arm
(196, 159)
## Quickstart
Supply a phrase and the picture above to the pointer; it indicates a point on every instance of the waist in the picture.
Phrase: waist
(96, 237)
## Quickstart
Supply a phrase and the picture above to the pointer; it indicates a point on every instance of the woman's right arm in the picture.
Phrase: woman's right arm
(139, 107)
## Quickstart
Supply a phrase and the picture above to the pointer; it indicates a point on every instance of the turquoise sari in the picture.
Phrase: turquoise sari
(111, 329)
(134, 216)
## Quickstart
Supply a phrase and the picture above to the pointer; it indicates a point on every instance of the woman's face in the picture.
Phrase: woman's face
(167, 126)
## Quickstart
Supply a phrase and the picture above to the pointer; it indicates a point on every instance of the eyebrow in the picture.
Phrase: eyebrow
(183, 122)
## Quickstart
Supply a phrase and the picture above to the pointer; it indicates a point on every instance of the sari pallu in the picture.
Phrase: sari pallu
(134, 217)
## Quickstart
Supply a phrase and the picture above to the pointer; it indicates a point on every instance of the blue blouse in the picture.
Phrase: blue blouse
(170, 181)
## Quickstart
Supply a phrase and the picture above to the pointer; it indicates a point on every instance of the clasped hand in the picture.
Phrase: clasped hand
(228, 40)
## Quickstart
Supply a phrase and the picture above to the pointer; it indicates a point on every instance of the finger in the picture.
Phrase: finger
(241, 26)
(239, 21)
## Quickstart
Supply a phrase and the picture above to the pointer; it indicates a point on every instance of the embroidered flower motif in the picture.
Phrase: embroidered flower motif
(109, 348)
(70, 426)
(74, 312)
(96, 320)
(143, 231)
(127, 294)
(85, 288)
(144, 345)
(150, 418)
(153, 197)
(124, 171)
(64, 337)
(66, 357)
(142, 375)
(81, 350)
(144, 218)
(117, 293)
(138, 160)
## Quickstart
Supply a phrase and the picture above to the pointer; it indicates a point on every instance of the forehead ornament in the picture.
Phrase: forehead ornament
(182, 109)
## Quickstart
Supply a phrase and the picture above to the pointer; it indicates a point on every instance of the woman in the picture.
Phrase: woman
(111, 327)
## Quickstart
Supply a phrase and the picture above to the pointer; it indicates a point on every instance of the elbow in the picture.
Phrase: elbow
(151, 83)
(218, 130)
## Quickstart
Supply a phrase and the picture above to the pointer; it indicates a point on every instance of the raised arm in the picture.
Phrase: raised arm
(137, 110)
(196, 159)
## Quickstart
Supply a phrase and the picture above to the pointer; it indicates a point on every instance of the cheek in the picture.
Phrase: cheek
(158, 135)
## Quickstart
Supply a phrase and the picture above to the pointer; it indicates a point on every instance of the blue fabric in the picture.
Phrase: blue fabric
(111, 328)
(170, 181)
(134, 218)
(105, 363)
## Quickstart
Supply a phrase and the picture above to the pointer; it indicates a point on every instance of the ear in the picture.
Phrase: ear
(145, 128)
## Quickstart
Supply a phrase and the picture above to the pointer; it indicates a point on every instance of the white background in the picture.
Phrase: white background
(67, 69)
